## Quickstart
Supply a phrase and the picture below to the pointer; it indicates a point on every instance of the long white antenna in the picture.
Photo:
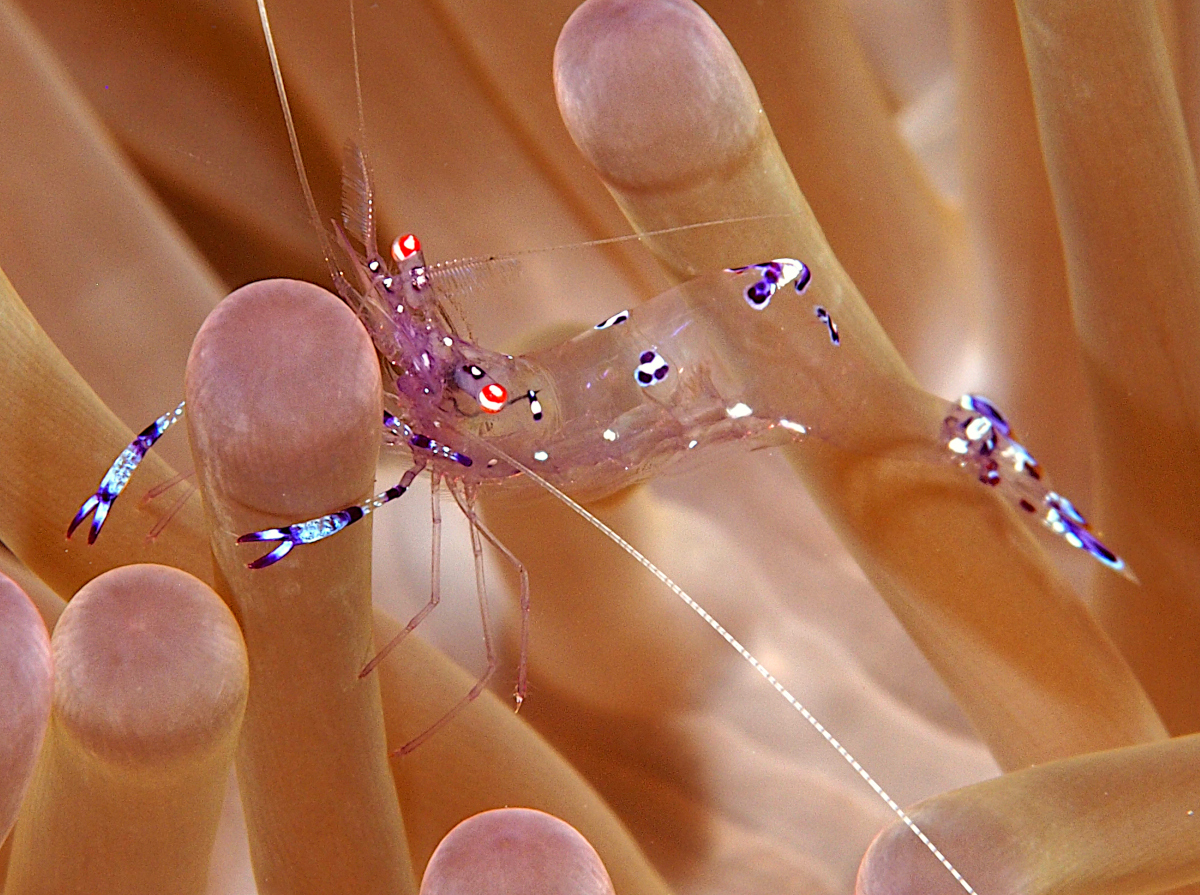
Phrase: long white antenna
(293, 139)
(744, 653)
(612, 240)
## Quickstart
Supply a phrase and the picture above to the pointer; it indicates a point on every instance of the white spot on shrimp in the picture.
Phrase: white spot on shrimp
(651, 369)
(692, 444)
(958, 446)
(610, 435)
(978, 428)
(791, 269)
(541, 456)
(738, 411)
(798, 428)
(447, 341)
(619, 317)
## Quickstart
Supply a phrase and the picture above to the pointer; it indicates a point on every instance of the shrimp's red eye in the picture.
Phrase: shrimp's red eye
(492, 397)
(404, 247)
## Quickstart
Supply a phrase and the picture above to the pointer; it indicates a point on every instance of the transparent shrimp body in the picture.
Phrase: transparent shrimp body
(641, 389)
(647, 386)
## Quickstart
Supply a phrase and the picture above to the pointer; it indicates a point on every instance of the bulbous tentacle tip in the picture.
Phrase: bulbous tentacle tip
(943, 850)
(897, 864)
(515, 850)
(130, 651)
(652, 92)
(28, 670)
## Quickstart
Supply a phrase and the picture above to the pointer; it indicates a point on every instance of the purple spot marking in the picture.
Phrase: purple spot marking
(986, 408)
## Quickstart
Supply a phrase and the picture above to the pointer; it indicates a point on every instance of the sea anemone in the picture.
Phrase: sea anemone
(1052, 267)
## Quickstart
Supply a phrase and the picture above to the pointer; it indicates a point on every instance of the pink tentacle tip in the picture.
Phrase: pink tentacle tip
(27, 667)
(508, 851)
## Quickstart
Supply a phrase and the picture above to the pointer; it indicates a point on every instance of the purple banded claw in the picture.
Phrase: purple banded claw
(119, 473)
(301, 533)
(323, 526)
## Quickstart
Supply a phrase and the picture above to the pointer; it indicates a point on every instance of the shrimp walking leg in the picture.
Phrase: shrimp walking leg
(318, 529)
(435, 580)
(485, 618)
(120, 472)
(523, 598)
(189, 489)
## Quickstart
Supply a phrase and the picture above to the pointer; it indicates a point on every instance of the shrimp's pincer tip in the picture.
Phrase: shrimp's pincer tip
(269, 534)
(324, 526)
(100, 504)
(301, 533)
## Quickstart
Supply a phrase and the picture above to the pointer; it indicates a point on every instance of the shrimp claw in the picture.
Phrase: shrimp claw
(323, 526)
(119, 473)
